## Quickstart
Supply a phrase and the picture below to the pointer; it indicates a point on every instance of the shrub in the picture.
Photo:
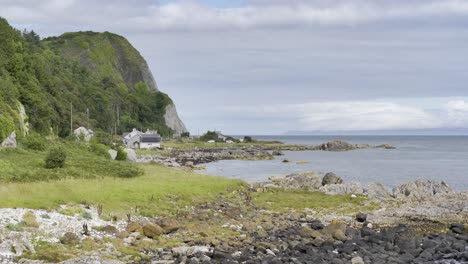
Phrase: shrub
(248, 139)
(55, 158)
(121, 154)
(35, 142)
(100, 150)
(102, 137)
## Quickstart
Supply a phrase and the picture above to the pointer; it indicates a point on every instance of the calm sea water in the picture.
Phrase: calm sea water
(416, 157)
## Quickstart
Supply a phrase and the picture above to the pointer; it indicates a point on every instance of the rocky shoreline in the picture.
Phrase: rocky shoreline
(418, 222)
(192, 157)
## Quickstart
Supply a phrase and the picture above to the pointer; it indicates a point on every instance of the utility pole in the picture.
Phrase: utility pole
(87, 117)
(71, 118)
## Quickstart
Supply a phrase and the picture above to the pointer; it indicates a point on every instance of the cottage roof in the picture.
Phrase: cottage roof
(150, 138)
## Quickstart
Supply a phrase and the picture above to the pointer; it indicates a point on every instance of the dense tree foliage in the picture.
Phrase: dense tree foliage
(51, 76)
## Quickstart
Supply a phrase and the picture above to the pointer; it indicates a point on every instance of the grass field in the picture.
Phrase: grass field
(84, 161)
(160, 191)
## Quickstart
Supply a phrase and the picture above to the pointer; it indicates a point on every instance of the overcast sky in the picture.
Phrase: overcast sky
(272, 66)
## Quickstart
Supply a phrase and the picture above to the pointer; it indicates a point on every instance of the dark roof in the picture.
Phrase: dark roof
(150, 138)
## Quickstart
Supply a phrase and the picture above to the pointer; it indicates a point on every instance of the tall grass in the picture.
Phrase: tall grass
(161, 191)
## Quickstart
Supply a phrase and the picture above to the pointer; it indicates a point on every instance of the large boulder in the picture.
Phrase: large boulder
(337, 145)
(331, 178)
(421, 189)
(131, 155)
(152, 230)
(112, 153)
(10, 141)
(83, 133)
(378, 192)
(70, 238)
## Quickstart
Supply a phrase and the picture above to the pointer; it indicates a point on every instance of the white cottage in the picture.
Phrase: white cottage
(139, 140)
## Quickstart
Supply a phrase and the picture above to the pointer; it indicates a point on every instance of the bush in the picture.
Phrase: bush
(102, 137)
(35, 142)
(121, 154)
(100, 150)
(55, 158)
(248, 139)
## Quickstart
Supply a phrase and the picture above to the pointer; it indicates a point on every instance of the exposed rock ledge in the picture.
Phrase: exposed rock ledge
(421, 199)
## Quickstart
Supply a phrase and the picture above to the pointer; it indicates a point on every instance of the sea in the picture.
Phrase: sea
(439, 158)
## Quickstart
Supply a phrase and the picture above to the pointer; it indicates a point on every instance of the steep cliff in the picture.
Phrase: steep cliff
(101, 75)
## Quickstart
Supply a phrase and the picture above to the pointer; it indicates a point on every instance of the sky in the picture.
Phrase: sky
(273, 66)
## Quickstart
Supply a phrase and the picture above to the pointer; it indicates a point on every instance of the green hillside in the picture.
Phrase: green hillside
(98, 73)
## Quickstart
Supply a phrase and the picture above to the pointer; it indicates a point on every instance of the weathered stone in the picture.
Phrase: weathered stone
(277, 153)
(331, 178)
(10, 141)
(134, 227)
(361, 217)
(112, 153)
(357, 260)
(457, 228)
(169, 225)
(70, 238)
(152, 230)
(131, 155)
(377, 191)
(421, 189)
(83, 133)
(337, 145)
(303, 181)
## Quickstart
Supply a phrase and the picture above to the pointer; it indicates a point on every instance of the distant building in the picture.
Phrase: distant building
(220, 136)
(139, 140)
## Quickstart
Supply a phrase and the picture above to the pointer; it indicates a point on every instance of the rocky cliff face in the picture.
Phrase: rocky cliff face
(173, 121)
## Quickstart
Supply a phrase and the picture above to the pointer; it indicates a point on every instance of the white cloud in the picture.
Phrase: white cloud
(345, 116)
(457, 111)
(148, 15)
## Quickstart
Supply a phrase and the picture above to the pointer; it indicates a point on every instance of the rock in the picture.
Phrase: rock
(457, 228)
(134, 227)
(152, 230)
(331, 178)
(10, 141)
(361, 217)
(277, 153)
(336, 230)
(342, 189)
(303, 181)
(131, 155)
(83, 133)
(286, 161)
(309, 232)
(337, 145)
(169, 225)
(421, 189)
(317, 225)
(385, 146)
(112, 153)
(357, 260)
(70, 238)
(109, 229)
(377, 191)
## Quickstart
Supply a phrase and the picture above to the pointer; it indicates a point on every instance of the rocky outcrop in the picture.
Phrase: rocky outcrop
(421, 189)
(173, 120)
(10, 141)
(83, 133)
(337, 145)
(304, 181)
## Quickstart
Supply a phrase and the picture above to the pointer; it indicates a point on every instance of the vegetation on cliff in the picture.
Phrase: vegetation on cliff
(100, 74)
